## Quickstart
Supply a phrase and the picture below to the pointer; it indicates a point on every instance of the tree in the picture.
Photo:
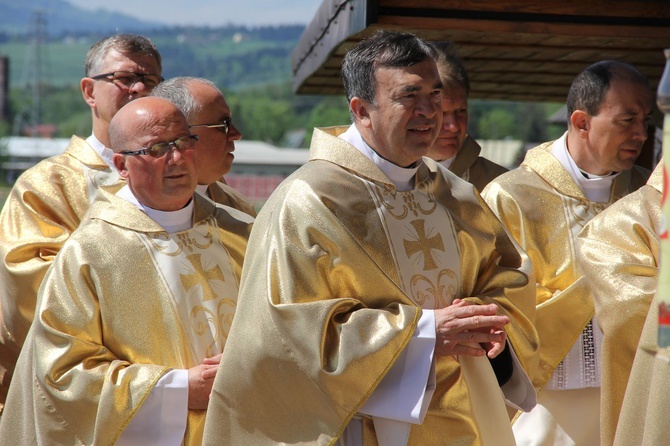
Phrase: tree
(330, 111)
(496, 124)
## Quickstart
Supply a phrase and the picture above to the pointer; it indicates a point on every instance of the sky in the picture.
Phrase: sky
(211, 12)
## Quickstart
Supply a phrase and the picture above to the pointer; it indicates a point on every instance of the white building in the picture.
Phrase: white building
(258, 167)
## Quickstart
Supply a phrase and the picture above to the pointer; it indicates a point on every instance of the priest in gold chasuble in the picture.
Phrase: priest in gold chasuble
(382, 302)
(48, 200)
(44, 207)
(620, 254)
(137, 300)
(454, 148)
(544, 204)
(344, 263)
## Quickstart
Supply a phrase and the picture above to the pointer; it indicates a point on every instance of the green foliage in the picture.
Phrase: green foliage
(330, 111)
(251, 66)
(525, 121)
(496, 123)
(262, 120)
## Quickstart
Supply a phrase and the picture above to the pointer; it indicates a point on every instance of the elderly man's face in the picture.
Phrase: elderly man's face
(214, 147)
(405, 119)
(166, 183)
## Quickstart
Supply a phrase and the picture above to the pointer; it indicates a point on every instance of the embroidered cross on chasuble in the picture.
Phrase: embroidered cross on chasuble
(423, 244)
(203, 287)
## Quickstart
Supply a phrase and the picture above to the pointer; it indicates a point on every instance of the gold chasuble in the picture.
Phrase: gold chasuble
(544, 210)
(620, 256)
(221, 193)
(44, 207)
(341, 266)
(124, 303)
(473, 168)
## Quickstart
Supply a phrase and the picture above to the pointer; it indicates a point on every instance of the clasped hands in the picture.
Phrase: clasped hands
(200, 381)
(464, 328)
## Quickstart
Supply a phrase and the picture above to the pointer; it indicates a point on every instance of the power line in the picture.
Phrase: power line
(30, 116)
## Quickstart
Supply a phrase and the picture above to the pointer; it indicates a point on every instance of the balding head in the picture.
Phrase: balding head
(167, 182)
(206, 110)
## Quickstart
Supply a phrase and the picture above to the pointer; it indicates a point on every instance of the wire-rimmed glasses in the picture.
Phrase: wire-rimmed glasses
(160, 149)
(129, 78)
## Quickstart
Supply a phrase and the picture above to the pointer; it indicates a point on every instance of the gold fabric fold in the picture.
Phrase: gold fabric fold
(620, 255)
(223, 194)
(323, 313)
(473, 168)
(123, 303)
(544, 210)
(44, 207)
(643, 417)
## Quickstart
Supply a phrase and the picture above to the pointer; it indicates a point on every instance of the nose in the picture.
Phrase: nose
(234, 133)
(641, 131)
(138, 88)
(450, 122)
(174, 155)
(426, 106)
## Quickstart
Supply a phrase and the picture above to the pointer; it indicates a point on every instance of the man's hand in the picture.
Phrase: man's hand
(200, 381)
(464, 328)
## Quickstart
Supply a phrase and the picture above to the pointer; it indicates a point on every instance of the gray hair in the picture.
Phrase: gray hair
(177, 91)
(127, 44)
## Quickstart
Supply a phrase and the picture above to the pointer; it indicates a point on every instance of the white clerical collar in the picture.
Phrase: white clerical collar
(171, 221)
(448, 162)
(105, 153)
(596, 188)
(401, 177)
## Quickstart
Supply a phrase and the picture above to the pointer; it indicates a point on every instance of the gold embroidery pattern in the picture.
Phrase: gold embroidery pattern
(424, 245)
(401, 204)
(203, 318)
(188, 281)
(183, 241)
(582, 210)
(423, 290)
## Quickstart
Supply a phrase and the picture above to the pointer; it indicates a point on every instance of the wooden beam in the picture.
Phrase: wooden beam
(592, 8)
(495, 26)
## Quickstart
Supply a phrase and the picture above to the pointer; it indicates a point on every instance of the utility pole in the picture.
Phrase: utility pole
(30, 116)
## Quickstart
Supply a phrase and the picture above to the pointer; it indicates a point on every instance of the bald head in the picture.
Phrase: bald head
(166, 182)
(142, 117)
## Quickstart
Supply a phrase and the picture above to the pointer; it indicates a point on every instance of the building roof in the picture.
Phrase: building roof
(257, 152)
(31, 147)
(520, 50)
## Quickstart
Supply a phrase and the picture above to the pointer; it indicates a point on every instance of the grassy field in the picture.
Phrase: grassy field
(62, 64)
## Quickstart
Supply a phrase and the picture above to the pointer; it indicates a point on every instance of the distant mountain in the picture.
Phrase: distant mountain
(60, 18)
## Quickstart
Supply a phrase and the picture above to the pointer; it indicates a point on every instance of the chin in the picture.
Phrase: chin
(441, 153)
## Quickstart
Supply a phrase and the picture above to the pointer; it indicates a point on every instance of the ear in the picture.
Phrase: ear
(581, 122)
(87, 91)
(360, 110)
(120, 164)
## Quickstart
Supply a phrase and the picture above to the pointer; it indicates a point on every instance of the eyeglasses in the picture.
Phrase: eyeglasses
(130, 78)
(160, 149)
(223, 125)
